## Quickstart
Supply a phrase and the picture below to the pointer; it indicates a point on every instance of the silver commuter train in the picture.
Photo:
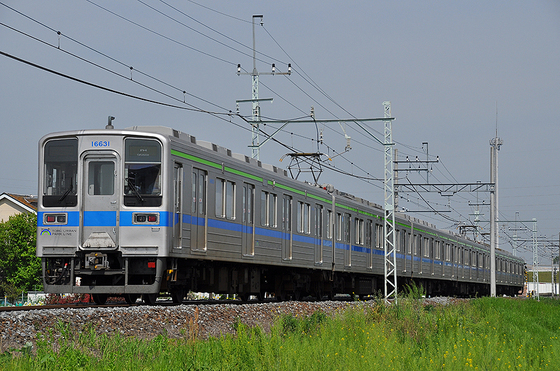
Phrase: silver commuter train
(148, 210)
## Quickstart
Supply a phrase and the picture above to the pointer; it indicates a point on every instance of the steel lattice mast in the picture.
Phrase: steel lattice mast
(256, 110)
(389, 223)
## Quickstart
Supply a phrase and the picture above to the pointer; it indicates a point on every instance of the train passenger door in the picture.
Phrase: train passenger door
(198, 210)
(100, 201)
(177, 206)
(248, 232)
(287, 227)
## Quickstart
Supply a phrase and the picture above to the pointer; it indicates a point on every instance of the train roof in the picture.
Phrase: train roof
(163, 130)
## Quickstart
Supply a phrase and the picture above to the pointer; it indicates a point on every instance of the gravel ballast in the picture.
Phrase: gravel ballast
(146, 322)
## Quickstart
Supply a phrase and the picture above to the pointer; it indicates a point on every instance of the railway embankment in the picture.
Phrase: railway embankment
(146, 322)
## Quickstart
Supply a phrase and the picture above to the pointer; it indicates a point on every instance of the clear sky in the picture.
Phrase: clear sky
(451, 69)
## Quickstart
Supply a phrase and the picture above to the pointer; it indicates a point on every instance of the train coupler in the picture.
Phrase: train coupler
(96, 261)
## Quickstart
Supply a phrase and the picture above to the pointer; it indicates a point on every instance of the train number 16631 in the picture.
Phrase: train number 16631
(100, 143)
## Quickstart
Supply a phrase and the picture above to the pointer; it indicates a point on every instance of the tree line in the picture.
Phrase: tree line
(20, 268)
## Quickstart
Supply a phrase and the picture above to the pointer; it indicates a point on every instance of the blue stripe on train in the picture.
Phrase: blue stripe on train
(108, 218)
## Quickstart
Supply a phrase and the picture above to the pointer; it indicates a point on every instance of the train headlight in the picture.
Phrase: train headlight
(143, 218)
(55, 219)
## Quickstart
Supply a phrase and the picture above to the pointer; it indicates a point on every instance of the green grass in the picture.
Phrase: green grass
(481, 334)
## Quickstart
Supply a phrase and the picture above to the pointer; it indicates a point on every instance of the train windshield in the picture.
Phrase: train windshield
(142, 172)
(60, 173)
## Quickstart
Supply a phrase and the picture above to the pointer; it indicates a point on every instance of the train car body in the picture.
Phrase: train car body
(150, 209)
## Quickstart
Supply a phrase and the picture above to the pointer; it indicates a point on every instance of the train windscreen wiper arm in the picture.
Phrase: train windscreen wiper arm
(133, 187)
(66, 193)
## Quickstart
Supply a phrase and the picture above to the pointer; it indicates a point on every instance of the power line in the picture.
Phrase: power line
(160, 34)
(105, 88)
(190, 28)
(309, 80)
(116, 73)
(333, 168)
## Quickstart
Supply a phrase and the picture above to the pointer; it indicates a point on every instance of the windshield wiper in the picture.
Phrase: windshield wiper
(133, 187)
(66, 193)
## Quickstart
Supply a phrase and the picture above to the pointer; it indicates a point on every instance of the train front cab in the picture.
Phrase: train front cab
(102, 221)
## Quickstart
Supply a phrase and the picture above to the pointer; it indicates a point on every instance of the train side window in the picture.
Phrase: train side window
(329, 224)
(264, 204)
(269, 209)
(359, 228)
(409, 244)
(225, 204)
(303, 217)
(379, 236)
(338, 226)
(299, 224)
(307, 218)
(426, 248)
(272, 210)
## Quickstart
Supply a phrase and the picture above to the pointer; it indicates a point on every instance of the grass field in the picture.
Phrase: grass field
(479, 334)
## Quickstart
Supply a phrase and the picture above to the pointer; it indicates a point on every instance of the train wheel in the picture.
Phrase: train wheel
(178, 295)
(150, 299)
(131, 298)
(99, 299)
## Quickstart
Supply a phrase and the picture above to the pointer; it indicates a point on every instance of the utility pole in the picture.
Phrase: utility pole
(256, 115)
(495, 144)
(535, 260)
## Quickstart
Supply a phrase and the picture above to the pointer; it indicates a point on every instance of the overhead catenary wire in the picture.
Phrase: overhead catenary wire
(102, 87)
(207, 111)
(333, 168)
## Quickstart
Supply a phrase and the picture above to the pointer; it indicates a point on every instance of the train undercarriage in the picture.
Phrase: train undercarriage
(104, 274)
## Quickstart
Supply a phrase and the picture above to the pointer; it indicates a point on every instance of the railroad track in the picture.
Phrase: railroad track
(164, 303)
(62, 306)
